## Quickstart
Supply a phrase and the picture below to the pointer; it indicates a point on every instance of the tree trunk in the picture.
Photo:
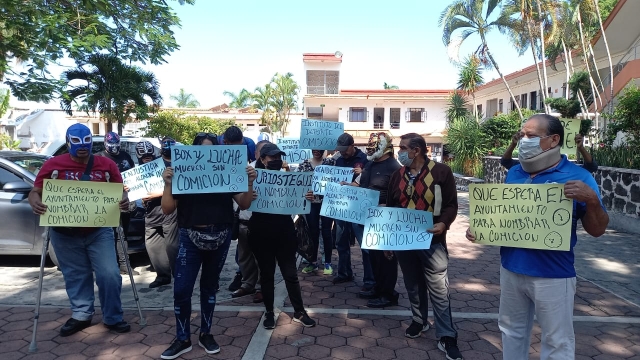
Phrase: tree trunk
(585, 55)
(606, 45)
(542, 57)
(567, 65)
(495, 65)
(543, 91)
(475, 107)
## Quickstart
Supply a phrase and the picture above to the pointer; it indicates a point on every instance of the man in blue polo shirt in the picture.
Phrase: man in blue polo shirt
(543, 282)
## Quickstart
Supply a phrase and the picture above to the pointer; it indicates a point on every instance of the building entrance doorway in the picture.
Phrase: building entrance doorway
(378, 118)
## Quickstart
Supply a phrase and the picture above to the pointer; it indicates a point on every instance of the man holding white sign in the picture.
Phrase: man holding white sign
(423, 184)
(543, 282)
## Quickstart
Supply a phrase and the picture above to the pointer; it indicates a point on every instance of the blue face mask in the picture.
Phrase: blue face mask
(403, 158)
(78, 138)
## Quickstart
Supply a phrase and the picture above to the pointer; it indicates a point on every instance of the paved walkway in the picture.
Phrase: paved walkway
(607, 326)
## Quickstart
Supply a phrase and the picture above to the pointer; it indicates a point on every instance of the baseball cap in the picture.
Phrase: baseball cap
(344, 141)
(270, 149)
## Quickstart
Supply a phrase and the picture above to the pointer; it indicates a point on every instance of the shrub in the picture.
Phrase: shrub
(626, 118)
(184, 128)
(468, 143)
(627, 157)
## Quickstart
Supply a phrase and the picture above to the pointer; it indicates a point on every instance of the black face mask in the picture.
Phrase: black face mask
(166, 153)
(274, 165)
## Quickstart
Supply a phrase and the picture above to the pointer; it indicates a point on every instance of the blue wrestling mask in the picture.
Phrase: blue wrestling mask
(78, 138)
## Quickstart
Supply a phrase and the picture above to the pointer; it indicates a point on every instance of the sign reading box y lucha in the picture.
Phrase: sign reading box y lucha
(144, 179)
(319, 134)
(523, 216)
(397, 229)
(281, 192)
(348, 203)
(323, 174)
(199, 169)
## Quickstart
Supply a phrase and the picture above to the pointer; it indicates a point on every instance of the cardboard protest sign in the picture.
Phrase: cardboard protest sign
(571, 128)
(319, 134)
(144, 179)
(397, 229)
(281, 192)
(523, 216)
(296, 156)
(81, 203)
(323, 174)
(201, 169)
(288, 143)
(348, 203)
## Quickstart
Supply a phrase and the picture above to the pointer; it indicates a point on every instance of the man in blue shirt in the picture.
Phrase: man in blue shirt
(543, 282)
(233, 136)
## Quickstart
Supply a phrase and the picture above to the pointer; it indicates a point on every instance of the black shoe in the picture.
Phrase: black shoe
(415, 329)
(159, 282)
(72, 326)
(449, 345)
(119, 327)
(383, 302)
(304, 319)
(125, 271)
(368, 294)
(340, 279)
(236, 283)
(269, 320)
(176, 349)
(209, 345)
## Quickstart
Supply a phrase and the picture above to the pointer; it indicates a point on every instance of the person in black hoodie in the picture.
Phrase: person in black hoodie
(272, 239)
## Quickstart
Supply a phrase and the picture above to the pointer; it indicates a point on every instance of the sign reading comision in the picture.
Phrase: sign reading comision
(323, 174)
(319, 134)
(296, 156)
(281, 192)
(523, 216)
(81, 203)
(144, 179)
(201, 169)
(571, 128)
(397, 229)
(348, 203)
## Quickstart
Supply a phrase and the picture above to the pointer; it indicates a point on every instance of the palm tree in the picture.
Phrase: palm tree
(390, 87)
(470, 78)
(468, 17)
(284, 100)
(115, 90)
(240, 100)
(606, 45)
(458, 108)
(262, 100)
(184, 100)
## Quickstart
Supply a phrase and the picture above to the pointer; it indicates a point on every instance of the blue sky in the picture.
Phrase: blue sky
(230, 45)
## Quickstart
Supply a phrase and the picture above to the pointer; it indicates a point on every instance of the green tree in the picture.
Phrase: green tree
(240, 100)
(466, 140)
(626, 118)
(117, 91)
(284, 100)
(4, 102)
(471, 17)
(390, 87)
(470, 78)
(185, 100)
(38, 33)
(262, 100)
(457, 108)
(184, 128)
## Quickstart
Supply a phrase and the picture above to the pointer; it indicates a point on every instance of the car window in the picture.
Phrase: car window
(32, 165)
(7, 176)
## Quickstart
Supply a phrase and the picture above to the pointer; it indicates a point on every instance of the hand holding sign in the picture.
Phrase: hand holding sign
(579, 191)
(167, 175)
(438, 228)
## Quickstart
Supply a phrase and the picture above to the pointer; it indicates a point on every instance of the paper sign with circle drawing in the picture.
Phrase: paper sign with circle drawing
(571, 128)
(144, 179)
(397, 229)
(523, 216)
(323, 174)
(348, 203)
(281, 192)
(319, 134)
(201, 169)
(81, 203)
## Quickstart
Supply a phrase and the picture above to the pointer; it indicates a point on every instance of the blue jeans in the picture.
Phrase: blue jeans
(188, 263)
(314, 221)
(345, 231)
(79, 257)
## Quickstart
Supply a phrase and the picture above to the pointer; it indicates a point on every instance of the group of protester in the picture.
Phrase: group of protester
(188, 232)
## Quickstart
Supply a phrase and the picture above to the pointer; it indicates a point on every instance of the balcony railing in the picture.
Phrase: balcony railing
(326, 89)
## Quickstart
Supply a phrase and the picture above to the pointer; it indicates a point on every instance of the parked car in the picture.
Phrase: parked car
(21, 233)
(128, 144)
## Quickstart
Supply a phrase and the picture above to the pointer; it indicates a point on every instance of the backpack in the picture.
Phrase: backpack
(305, 245)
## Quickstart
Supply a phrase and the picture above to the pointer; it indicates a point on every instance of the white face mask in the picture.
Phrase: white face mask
(530, 147)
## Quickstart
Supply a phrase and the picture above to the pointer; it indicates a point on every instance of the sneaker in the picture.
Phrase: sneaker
(209, 345)
(310, 268)
(304, 319)
(415, 329)
(236, 283)
(176, 349)
(269, 320)
(449, 346)
(328, 270)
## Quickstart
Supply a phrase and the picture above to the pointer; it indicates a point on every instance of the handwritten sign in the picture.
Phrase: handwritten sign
(571, 128)
(320, 135)
(144, 179)
(523, 216)
(397, 229)
(348, 203)
(288, 143)
(323, 174)
(81, 203)
(296, 156)
(209, 169)
(281, 192)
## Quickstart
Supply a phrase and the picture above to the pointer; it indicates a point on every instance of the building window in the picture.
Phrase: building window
(416, 115)
(534, 100)
(500, 105)
(314, 113)
(378, 122)
(513, 103)
(320, 82)
(523, 101)
(479, 110)
(541, 100)
(358, 114)
(394, 117)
